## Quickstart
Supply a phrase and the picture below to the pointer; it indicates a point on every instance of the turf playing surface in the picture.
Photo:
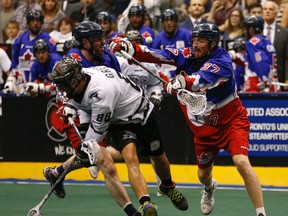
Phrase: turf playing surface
(81, 200)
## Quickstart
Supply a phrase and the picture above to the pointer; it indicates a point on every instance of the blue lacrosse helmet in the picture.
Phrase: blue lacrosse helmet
(34, 15)
(103, 16)
(87, 30)
(137, 9)
(256, 22)
(169, 14)
(239, 44)
(207, 30)
(41, 45)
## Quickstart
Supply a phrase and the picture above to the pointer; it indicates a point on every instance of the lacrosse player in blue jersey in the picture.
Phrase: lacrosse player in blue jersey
(223, 124)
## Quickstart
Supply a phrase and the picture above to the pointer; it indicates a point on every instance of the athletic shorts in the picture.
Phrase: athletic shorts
(146, 137)
(233, 139)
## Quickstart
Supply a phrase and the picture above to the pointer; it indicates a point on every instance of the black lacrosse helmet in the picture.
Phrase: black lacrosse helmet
(256, 22)
(134, 35)
(87, 30)
(103, 16)
(68, 44)
(137, 9)
(207, 30)
(41, 45)
(169, 14)
(239, 44)
(67, 75)
(34, 15)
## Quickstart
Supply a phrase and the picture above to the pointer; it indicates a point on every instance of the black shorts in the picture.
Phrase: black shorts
(146, 137)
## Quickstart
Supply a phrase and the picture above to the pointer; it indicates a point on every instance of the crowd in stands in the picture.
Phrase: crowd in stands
(161, 23)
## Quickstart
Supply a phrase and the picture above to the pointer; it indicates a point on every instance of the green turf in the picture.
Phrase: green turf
(18, 199)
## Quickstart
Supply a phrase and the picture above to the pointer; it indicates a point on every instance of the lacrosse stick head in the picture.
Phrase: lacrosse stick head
(196, 102)
(34, 211)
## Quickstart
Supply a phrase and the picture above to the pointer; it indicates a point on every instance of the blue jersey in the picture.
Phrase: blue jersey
(23, 56)
(182, 39)
(108, 59)
(41, 72)
(145, 32)
(261, 57)
(215, 75)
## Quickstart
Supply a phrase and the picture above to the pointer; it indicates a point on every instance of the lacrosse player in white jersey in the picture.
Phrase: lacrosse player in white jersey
(106, 100)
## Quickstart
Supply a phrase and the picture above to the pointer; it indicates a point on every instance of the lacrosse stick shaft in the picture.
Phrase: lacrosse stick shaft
(279, 84)
(66, 170)
(135, 61)
(72, 123)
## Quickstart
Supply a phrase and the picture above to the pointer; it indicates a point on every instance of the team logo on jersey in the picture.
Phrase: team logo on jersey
(53, 122)
(173, 51)
(146, 34)
(204, 158)
(187, 52)
(258, 57)
(76, 56)
(27, 56)
(254, 40)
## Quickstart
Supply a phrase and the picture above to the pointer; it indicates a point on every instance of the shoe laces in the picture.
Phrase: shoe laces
(141, 208)
(174, 195)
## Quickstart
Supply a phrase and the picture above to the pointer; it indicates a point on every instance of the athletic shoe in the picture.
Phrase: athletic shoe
(207, 200)
(148, 209)
(158, 185)
(52, 177)
(177, 198)
(94, 171)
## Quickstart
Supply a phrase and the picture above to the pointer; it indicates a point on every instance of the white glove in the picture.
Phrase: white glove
(89, 149)
(33, 89)
(156, 99)
(124, 44)
(66, 111)
(232, 53)
(10, 85)
(177, 83)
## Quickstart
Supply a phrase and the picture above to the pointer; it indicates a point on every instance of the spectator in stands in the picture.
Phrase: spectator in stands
(173, 37)
(52, 14)
(255, 9)
(196, 10)
(247, 5)
(220, 12)
(23, 56)
(234, 27)
(278, 36)
(284, 20)
(105, 20)
(136, 17)
(7, 12)
(85, 13)
(64, 30)
(5, 64)
(21, 13)
(41, 81)
(12, 31)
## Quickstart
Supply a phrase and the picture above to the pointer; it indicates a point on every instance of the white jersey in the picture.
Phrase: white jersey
(5, 64)
(141, 77)
(110, 98)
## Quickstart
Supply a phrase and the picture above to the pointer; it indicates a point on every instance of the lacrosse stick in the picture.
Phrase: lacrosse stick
(36, 210)
(279, 84)
(196, 102)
